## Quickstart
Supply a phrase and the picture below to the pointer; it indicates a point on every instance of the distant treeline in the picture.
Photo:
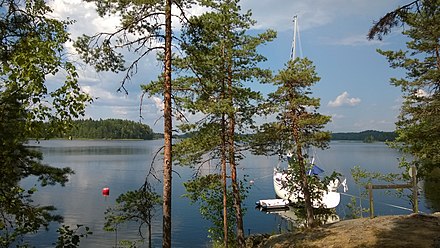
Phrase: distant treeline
(126, 129)
(366, 136)
(109, 129)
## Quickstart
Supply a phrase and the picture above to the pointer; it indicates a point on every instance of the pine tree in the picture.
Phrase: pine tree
(418, 127)
(298, 125)
(142, 23)
(219, 57)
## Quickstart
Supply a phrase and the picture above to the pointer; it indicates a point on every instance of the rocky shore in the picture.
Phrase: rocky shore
(414, 230)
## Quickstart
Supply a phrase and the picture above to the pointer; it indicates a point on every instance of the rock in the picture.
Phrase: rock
(255, 240)
(414, 230)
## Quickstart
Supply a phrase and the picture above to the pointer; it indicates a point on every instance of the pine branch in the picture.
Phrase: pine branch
(389, 21)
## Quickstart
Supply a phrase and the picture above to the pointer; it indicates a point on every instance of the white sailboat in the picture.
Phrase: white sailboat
(282, 178)
(282, 183)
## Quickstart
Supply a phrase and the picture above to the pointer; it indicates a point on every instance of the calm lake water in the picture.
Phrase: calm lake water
(123, 165)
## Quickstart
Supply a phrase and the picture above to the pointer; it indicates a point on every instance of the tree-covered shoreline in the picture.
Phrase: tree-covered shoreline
(119, 129)
(366, 136)
(109, 129)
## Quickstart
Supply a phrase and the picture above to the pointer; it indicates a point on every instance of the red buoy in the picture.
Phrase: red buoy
(106, 191)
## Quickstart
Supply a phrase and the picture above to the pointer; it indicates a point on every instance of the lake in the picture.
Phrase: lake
(123, 165)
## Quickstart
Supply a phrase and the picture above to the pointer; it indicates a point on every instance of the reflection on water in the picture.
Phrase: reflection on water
(432, 190)
(123, 165)
(119, 165)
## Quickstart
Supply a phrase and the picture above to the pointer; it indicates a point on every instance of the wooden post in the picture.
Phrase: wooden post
(413, 185)
(415, 189)
(370, 194)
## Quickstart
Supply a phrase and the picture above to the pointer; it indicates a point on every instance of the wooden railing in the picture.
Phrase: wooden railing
(412, 184)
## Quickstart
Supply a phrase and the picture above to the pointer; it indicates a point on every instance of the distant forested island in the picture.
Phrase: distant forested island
(366, 136)
(126, 129)
(109, 129)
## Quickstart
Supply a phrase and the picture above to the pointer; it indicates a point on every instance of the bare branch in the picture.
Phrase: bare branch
(132, 69)
(152, 171)
(182, 16)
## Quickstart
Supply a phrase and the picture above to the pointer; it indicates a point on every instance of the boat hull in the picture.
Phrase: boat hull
(273, 204)
(330, 198)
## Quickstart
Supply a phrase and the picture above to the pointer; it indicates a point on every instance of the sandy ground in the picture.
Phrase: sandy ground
(415, 230)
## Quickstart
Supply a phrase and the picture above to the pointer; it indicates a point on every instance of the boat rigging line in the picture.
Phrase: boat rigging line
(295, 34)
(383, 203)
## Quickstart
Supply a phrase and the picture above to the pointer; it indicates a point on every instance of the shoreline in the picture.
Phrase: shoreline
(414, 230)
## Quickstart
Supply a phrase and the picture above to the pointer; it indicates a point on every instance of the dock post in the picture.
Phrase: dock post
(370, 194)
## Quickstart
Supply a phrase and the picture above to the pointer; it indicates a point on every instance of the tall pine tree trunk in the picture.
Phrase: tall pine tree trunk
(224, 183)
(303, 176)
(224, 159)
(235, 187)
(150, 244)
(167, 165)
(232, 164)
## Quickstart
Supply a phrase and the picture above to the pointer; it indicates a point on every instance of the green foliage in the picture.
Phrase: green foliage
(431, 188)
(295, 110)
(362, 178)
(207, 192)
(32, 48)
(418, 127)
(70, 238)
(203, 145)
(109, 129)
(140, 27)
(355, 210)
(133, 206)
(316, 185)
(219, 58)
(31, 51)
(218, 50)
(298, 126)
(143, 27)
(365, 135)
(19, 216)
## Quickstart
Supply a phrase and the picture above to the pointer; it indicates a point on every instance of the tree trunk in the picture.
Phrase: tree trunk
(150, 245)
(232, 164)
(224, 184)
(303, 176)
(235, 189)
(167, 164)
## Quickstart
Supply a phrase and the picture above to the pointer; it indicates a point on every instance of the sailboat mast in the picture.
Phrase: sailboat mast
(295, 30)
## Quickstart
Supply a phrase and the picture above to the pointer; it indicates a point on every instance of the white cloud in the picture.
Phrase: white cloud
(354, 40)
(120, 111)
(102, 86)
(268, 14)
(279, 15)
(344, 100)
(158, 103)
(87, 21)
(422, 93)
(337, 116)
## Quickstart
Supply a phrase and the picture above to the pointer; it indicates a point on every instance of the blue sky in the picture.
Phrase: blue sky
(354, 87)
